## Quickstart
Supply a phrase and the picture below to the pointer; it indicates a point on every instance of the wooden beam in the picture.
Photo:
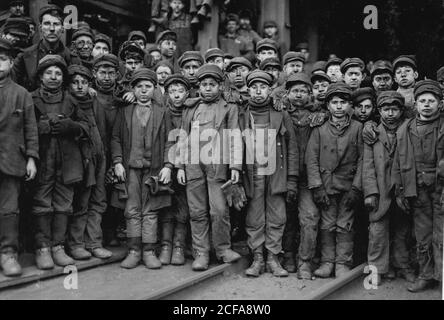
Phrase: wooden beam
(114, 8)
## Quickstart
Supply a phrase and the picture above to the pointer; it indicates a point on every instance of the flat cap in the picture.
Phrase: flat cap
(259, 76)
(381, 66)
(362, 94)
(232, 17)
(270, 24)
(210, 70)
(5, 45)
(333, 62)
(228, 55)
(16, 3)
(107, 59)
(177, 78)
(213, 53)
(237, 62)
(82, 32)
(100, 37)
(405, 60)
(246, 13)
(390, 97)
(143, 74)
(75, 69)
(319, 76)
(440, 74)
(130, 49)
(52, 60)
(428, 86)
(166, 35)
(298, 78)
(153, 48)
(338, 88)
(319, 66)
(17, 26)
(136, 34)
(190, 56)
(352, 62)
(270, 62)
(266, 44)
(291, 56)
(163, 63)
(51, 9)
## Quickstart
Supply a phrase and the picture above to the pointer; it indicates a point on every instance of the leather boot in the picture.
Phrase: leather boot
(304, 270)
(288, 263)
(274, 266)
(80, 254)
(10, 265)
(43, 259)
(101, 253)
(420, 285)
(325, 270)
(257, 267)
(328, 247)
(230, 256)
(165, 254)
(178, 256)
(344, 250)
(150, 260)
(132, 259)
(341, 269)
(60, 257)
(201, 261)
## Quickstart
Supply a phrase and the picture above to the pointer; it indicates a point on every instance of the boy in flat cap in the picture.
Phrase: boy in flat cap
(274, 67)
(167, 44)
(237, 71)
(17, 8)
(305, 116)
(17, 31)
(389, 226)
(205, 176)
(417, 177)
(268, 185)
(82, 45)
(132, 57)
(333, 69)
(174, 220)
(353, 70)
(140, 38)
(84, 230)
(139, 148)
(293, 63)
(62, 127)
(51, 29)
(382, 76)
(102, 45)
(321, 81)
(271, 31)
(19, 149)
(364, 105)
(189, 63)
(266, 48)
(406, 75)
(163, 70)
(334, 168)
(215, 56)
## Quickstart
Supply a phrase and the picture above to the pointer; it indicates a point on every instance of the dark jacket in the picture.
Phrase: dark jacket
(18, 129)
(287, 153)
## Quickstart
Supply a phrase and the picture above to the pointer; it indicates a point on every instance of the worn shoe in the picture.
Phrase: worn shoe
(257, 267)
(165, 254)
(101, 253)
(390, 275)
(80, 254)
(341, 269)
(201, 261)
(420, 285)
(230, 256)
(325, 270)
(407, 274)
(60, 257)
(178, 257)
(288, 263)
(304, 271)
(150, 260)
(43, 259)
(132, 259)
(10, 265)
(274, 266)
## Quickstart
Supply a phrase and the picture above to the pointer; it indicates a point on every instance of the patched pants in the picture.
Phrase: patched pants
(9, 212)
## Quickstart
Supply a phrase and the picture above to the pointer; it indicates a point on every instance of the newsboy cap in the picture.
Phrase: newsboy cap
(300, 77)
(381, 66)
(82, 32)
(75, 69)
(259, 76)
(321, 76)
(143, 74)
(136, 34)
(100, 37)
(266, 44)
(237, 62)
(405, 60)
(52, 60)
(190, 56)
(5, 45)
(352, 62)
(291, 56)
(177, 78)
(51, 9)
(428, 86)
(270, 62)
(16, 26)
(338, 88)
(319, 66)
(107, 59)
(390, 97)
(166, 35)
(130, 49)
(210, 70)
(362, 94)
(213, 53)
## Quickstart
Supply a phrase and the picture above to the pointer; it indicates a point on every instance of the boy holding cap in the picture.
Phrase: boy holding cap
(139, 148)
(204, 177)
(389, 226)
(406, 75)
(268, 185)
(334, 169)
(353, 70)
(418, 179)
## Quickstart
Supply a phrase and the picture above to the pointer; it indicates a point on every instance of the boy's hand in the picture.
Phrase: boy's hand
(165, 175)
(320, 197)
(292, 197)
(370, 133)
(181, 177)
(129, 97)
(234, 176)
(120, 172)
(92, 92)
(31, 169)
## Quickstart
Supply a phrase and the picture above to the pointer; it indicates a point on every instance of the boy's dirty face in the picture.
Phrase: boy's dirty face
(364, 110)
(162, 73)
(334, 72)
(177, 93)
(144, 91)
(270, 31)
(132, 65)
(232, 26)
(218, 61)
(84, 46)
(237, 76)
(189, 70)
(427, 105)
(320, 89)
(17, 10)
(51, 28)
(79, 86)
(339, 107)
(293, 67)
(168, 48)
(259, 91)
(209, 89)
(5, 65)
(382, 81)
(405, 76)
(390, 113)
(99, 48)
(353, 77)
(52, 78)
(176, 6)
(266, 53)
(105, 76)
(299, 95)
(244, 23)
(274, 71)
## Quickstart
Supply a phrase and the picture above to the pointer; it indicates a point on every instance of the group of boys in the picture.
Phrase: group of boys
(308, 154)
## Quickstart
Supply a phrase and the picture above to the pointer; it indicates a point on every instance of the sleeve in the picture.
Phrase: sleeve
(116, 145)
(30, 127)
(18, 73)
(357, 181)
(312, 160)
(292, 147)
(167, 162)
(235, 143)
(369, 180)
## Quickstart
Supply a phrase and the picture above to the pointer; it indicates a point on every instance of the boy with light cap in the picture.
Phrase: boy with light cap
(140, 148)
(418, 180)
(204, 176)
(334, 168)
(406, 75)
(389, 227)
(382, 76)
(353, 70)
(268, 185)
(189, 64)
